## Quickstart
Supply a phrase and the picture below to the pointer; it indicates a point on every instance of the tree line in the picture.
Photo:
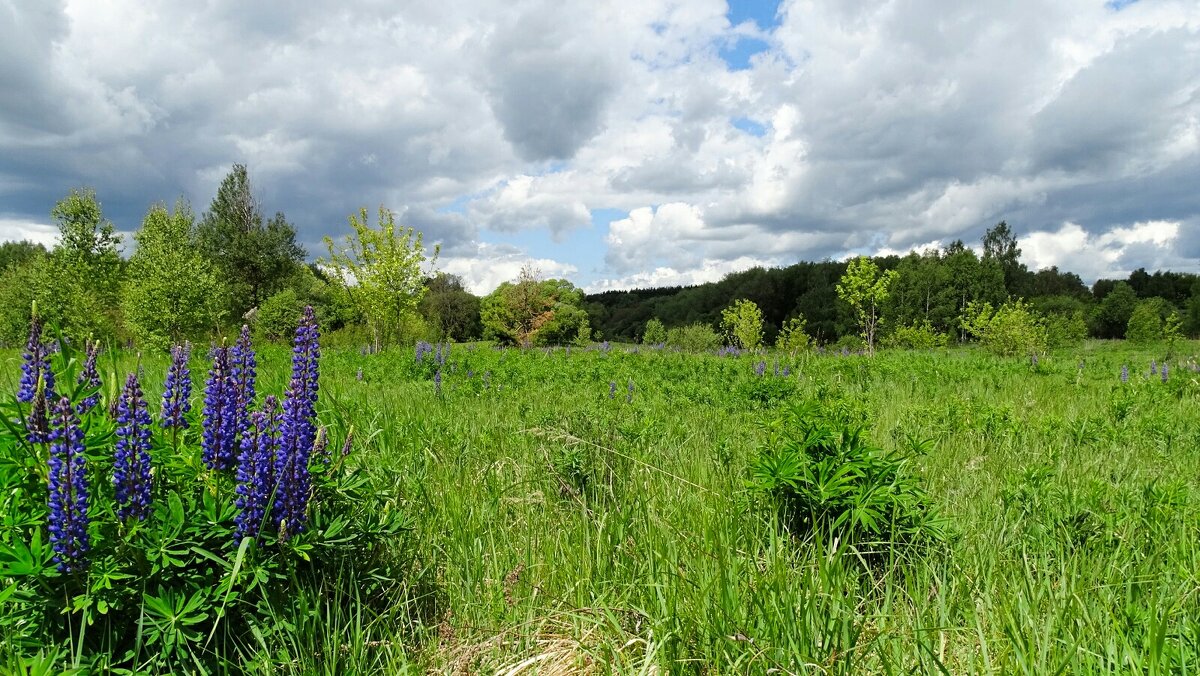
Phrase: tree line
(201, 276)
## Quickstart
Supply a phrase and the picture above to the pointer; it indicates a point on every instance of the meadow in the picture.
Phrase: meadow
(594, 511)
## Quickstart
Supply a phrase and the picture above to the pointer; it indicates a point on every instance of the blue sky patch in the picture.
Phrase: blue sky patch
(749, 126)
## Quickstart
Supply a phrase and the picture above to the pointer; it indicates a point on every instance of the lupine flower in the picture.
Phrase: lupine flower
(612, 389)
(1164, 372)
(131, 459)
(35, 364)
(437, 382)
(1125, 373)
(243, 373)
(321, 445)
(348, 443)
(423, 349)
(177, 393)
(220, 413)
(359, 376)
(629, 396)
(760, 368)
(487, 379)
(37, 425)
(776, 368)
(298, 429)
(68, 519)
(1033, 360)
(1153, 367)
(787, 371)
(605, 347)
(256, 468)
(89, 377)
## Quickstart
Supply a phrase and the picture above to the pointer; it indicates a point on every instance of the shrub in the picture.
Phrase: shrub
(825, 478)
(1065, 329)
(792, 337)
(696, 337)
(1012, 329)
(742, 322)
(276, 318)
(1146, 323)
(916, 336)
(655, 333)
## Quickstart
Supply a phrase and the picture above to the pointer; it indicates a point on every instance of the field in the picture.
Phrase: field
(593, 511)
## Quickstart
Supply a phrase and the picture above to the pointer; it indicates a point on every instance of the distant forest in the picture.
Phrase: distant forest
(934, 286)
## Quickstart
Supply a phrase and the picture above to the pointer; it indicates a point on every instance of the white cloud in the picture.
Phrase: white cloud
(1106, 254)
(491, 265)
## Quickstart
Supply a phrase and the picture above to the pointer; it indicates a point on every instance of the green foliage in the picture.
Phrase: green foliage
(379, 271)
(916, 336)
(742, 323)
(792, 338)
(826, 479)
(254, 257)
(19, 253)
(18, 290)
(696, 337)
(172, 292)
(865, 290)
(1172, 331)
(177, 593)
(533, 311)
(1012, 329)
(1111, 317)
(450, 310)
(77, 286)
(655, 333)
(1064, 330)
(277, 316)
(1146, 321)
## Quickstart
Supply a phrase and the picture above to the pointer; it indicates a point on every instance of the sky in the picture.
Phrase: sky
(631, 143)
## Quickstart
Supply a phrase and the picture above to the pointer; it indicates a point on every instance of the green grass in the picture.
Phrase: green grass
(556, 529)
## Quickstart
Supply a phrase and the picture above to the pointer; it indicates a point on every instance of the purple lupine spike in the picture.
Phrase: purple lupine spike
(612, 389)
(359, 376)
(37, 425)
(131, 459)
(298, 429)
(177, 393)
(423, 348)
(437, 382)
(68, 518)
(1153, 367)
(787, 371)
(629, 394)
(220, 405)
(243, 374)
(348, 444)
(256, 468)
(760, 368)
(89, 377)
(1125, 373)
(1164, 372)
(32, 365)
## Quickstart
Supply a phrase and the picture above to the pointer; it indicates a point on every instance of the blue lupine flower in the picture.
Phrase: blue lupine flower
(605, 347)
(1125, 373)
(177, 393)
(423, 348)
(131, 459)
(1033, 360)
(37, 424)
(89, 377)
(359, 376)
(243, 374)
(220, 413)
(68, 518)
(1153, 368)
(787, 371)
(437, 382)
(629, 396)
(612, 389)
(298, 429)
(760, 368)
(35, 363)
(1164, 372)
(348, 444)
(256, 468)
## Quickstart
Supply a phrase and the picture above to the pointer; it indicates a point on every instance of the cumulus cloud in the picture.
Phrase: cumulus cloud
(1116, 252)
(872, 125)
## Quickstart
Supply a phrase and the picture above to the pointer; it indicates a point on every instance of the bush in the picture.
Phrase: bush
(174, 589)
(916, 336)
(742, 322)
(276, 318)
(1146, 322)
(824, 478)
(1012, 329)
(1063, 330)
(792, 337)
(696, 337)
(655, 334)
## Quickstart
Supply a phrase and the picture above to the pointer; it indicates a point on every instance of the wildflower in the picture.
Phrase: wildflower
(1164, 372)
(37, 425)
(1033, 360)
(131, 459)
(605, 347)
(760, 368)
(298, 429)
(35, 364)
(89, 377)
(612, 389)
(1124, 373)
(629, 396)
(256, 468)
(177, 393)
(321, 445)
(68, 519)
(437, 382)
(1153, 368)
(348, 443)
(787, 371)
(423, 348)
(220, 419)
(243, 375)
(359, 376)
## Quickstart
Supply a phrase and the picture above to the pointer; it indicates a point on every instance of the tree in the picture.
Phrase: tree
(173, 292)
(742, 323)
(449, 309)
(655, 333)
(534, 311)
(792, 338)
(865, 290)
(255, 257)
(379, 272)
(19, 253)
(1146, 321)
(1000, 245)
(1111, 317)
(1012, 329)
(77, 286)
